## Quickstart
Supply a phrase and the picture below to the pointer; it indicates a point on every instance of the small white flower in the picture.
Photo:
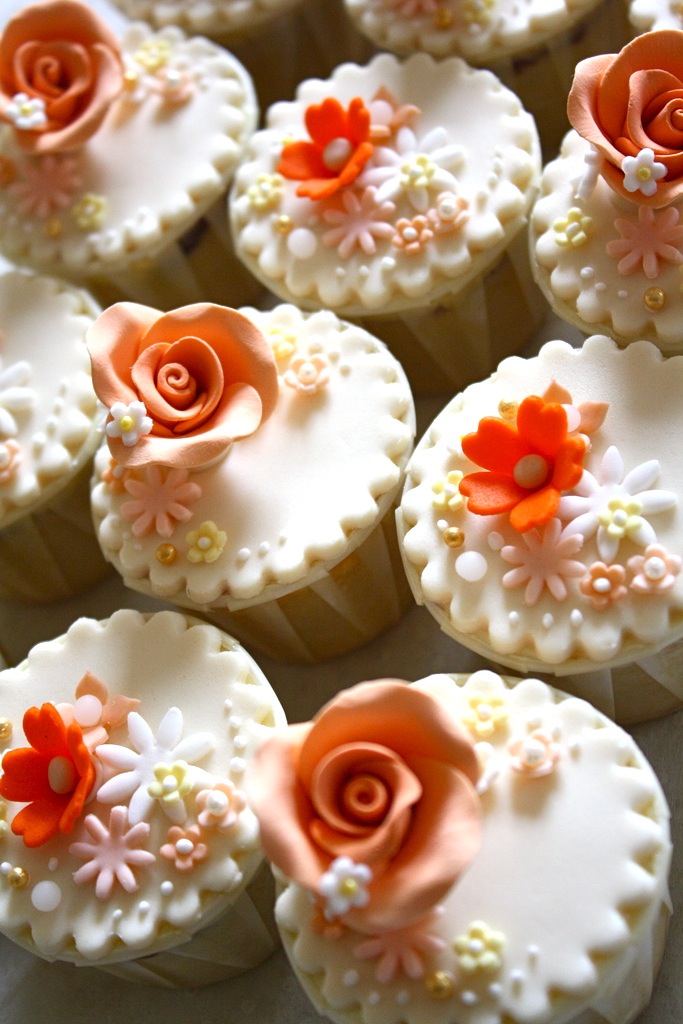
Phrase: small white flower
(26, 112)
(129, 422)
(414, 167)
(642, 172)
(344, 885)
(615, 505)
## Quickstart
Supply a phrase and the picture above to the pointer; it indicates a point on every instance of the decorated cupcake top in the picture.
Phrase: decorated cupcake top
(124, 824)
(542, 511)
(607, 231)
(652, 15)
(50, 420)
(225, 19)
(379, 189)
(244, 450)
(110, 147)
(439, 859)
(481, 31)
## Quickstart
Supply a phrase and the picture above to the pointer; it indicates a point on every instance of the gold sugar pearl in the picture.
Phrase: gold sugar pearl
(443, 18)
(283, 224)
(655, 298)
(508, 410)
(5, 729)
(454, 537)
(17, 878)
(439, 984)
(166, 554)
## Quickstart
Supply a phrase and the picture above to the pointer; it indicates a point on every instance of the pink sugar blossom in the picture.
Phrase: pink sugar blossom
(183, 847)
(220, 806)
(112, 853)
(46, 184)
(543, 560)
(656, 236)
(604, 585)
(307, 374)
(159, 502)
(402, 950)
(655, 571)
(360, 222)
(534, 755)
(412, 235)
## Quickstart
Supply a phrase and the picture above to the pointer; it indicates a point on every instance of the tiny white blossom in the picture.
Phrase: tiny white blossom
(129, 422)
(344, 885)
(642, 172)
(26, 112)
(414, 167)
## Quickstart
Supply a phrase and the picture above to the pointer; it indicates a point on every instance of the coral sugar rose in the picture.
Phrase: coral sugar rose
(382, 779)
(60, 69)
(630, 106)
(180, 386)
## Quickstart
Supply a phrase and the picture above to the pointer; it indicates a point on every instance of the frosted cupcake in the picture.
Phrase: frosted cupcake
(541, 522)
(252, 467)
(396, 194)
(533, 47)
(436, 864)
(607, 245)
(652, 15)
(117, 176)
(50, 426)
(128, 843)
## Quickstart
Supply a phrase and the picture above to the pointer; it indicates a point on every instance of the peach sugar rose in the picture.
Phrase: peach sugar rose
(180, 386)
(60, 69)
(630, 106)
(381, 779)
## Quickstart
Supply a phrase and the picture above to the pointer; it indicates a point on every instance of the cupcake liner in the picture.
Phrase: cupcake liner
(52, 553)
(469, 322)
(238, 941)
(341, 611)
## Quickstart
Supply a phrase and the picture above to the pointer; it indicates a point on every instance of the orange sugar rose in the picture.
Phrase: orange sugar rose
(196, 379)
(339, 148)
(384, 776)
(53, 776)
(528, 464)
(633, 101)
(60, 64)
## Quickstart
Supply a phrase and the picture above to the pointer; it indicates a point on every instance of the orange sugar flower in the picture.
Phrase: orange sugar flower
(528, 464)
(53, 776)
(339, 148)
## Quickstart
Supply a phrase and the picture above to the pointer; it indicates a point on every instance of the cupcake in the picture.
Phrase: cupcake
(50, 426)
(117, 177)
(532, 47)
(606, 242)
(541, 522)
(252, 466)
(280, 42)
(443, 865)
(397, 194)
(651, 15)
(128, 843)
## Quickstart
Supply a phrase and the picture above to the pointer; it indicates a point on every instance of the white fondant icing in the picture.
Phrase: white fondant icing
(321, 472)
(165, 661)
(570, 878)
(644, 420)
(224, 18)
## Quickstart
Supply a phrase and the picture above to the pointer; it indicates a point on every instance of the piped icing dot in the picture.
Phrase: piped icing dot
(46, 896)
(471, 566)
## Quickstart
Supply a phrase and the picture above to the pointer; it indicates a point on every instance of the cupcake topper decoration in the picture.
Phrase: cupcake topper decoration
(180, 386)
(60, 69)
(630, 107)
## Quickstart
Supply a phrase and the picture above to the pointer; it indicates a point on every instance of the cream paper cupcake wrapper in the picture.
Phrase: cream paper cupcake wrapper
(470, 323)
(238, 941)
(52, 553)
(341, 611)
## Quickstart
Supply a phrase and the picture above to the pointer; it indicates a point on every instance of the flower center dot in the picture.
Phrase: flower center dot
(204, 543)
(169, 783)
(476, 946)
(217, 803)
(533, 752)
(348, 887)
(602, 585)
(126, 423)
(484, 712)
(655, 568)
(184, 847)
(531, 472)
(61, 775)
(644, 173)
(410, 234)
(620, 517)
(337, 153)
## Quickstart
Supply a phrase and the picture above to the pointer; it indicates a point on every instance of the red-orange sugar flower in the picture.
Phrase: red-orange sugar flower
(339, 148)
(53, 776)
(528, 464)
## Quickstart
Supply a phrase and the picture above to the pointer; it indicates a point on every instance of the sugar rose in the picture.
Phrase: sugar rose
(60, 69)
(630, 106)
(180, 386)
(382, 779)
